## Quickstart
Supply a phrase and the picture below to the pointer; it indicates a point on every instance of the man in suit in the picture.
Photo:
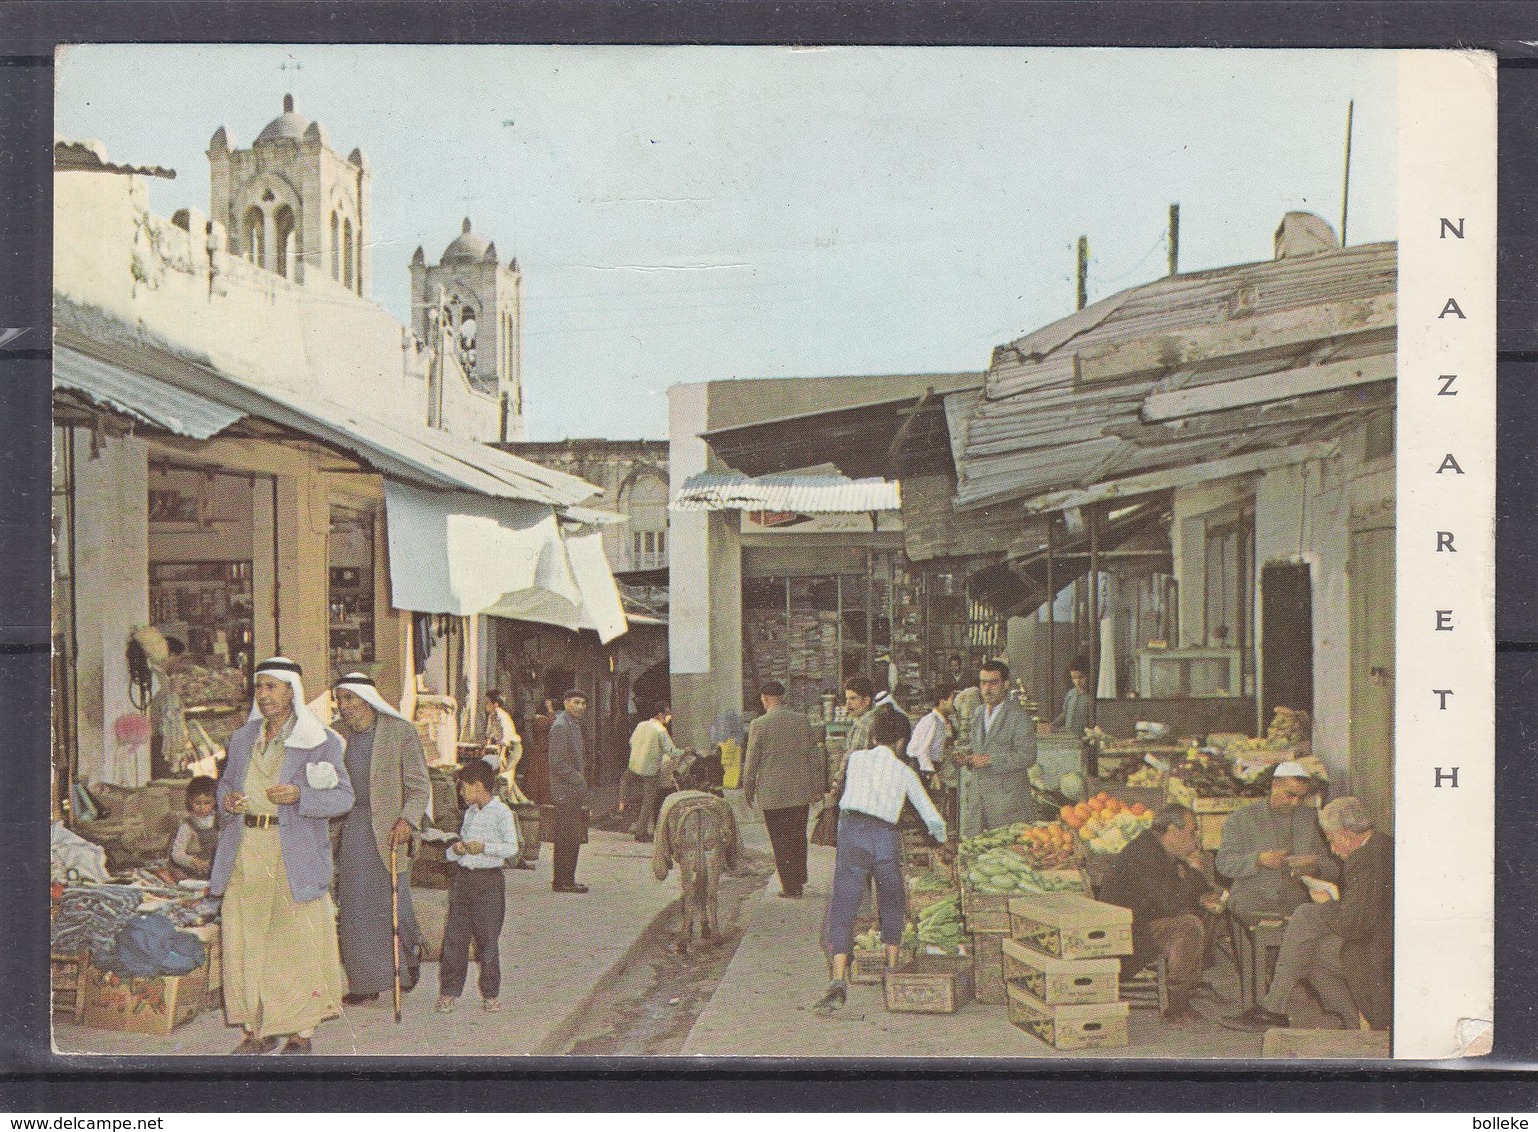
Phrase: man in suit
(783, 776)
(568, 789)
(995, 782)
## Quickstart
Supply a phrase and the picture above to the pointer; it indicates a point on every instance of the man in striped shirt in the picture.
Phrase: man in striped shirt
(876, 785)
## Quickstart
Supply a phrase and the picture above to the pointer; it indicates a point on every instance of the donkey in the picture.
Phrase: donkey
(696, 830)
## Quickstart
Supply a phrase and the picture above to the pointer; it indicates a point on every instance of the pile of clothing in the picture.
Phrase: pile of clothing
(90, 918)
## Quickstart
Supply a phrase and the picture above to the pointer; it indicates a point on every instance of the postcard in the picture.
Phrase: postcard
(861, 552)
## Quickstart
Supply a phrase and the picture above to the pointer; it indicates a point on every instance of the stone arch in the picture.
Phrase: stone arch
(253, 235)
(643, 499)
(287, 238)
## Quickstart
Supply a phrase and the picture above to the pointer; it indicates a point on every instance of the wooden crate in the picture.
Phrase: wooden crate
(868, 965)
(144, 1006)
(1070, 926)
(930, 984)
(988, 967)
(68, 971)
(987, 912)
(210, 935)
(1061, 981)
(1101, 1025)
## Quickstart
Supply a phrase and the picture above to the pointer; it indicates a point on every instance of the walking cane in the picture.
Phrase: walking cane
(395, 927)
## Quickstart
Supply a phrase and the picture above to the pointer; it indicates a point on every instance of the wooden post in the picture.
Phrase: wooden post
(1083, 273)
(1345, 188)
(1051, 629)
(1094, 630)
(1174, 239)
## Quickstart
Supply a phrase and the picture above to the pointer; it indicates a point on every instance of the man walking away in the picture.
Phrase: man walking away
(650, 749)
(568, 789)
(784, 775)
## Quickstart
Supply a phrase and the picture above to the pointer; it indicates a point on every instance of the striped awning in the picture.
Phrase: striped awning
(801, 493)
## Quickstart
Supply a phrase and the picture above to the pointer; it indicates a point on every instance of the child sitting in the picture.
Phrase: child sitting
(192, 849)
(488, 837)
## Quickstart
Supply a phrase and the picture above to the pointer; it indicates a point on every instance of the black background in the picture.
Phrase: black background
(32, 1079)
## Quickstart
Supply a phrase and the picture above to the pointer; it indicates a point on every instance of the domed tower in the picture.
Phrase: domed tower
(479, 302)
(292, 205)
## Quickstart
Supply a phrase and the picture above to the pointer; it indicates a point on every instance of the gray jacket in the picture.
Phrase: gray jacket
(785, 764)
(1000, 793)
(568, 761)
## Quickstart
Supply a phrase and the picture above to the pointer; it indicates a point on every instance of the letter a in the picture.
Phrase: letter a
(1452, 308)
(1449, 462)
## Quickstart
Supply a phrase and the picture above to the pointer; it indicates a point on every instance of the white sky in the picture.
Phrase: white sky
(689, 214)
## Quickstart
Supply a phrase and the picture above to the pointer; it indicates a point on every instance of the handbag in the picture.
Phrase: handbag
(825, 830)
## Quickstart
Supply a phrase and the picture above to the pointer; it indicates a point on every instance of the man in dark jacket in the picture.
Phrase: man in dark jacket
(568, 789)
(1341, 944)
(1158, 878)
(784, 774)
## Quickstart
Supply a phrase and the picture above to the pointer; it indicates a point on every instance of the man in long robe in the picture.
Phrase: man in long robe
(388, 769)
(283, 781)
(1268, 845)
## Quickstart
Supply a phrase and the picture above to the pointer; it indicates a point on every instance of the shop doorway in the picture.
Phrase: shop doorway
(1287, 639)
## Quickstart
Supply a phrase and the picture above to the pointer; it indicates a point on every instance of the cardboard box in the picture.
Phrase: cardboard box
(1061, 981)
(1068, 926)
(143, 1006)
(988, 967)
(1079, 1026)
(930, 984)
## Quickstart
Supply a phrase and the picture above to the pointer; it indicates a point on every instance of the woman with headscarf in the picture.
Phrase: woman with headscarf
(283, 781)
(388, 769)
(536, 764)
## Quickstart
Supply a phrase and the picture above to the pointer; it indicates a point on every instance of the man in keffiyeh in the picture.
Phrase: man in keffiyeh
(388, 769)
(283, 780)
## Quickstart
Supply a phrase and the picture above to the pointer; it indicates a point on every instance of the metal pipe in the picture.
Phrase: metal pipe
(1051, 629)
(1345, 188)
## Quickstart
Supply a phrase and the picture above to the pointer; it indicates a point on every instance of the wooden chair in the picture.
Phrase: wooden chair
(1256, 943)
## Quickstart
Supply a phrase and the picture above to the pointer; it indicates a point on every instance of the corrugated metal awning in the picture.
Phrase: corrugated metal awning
(145, 399)
(409, 452)
(802, 493)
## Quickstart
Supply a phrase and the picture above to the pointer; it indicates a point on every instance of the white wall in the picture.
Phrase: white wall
(1302, 515)
(111, 254)
(111, 599)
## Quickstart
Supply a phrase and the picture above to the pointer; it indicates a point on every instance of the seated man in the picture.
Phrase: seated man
(1158, 876)
(1270, 845)
(1343, 948)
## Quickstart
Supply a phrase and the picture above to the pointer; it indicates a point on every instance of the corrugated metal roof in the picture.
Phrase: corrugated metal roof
(409, 452)
(143, 398)
(1062, 407)
(804, 494)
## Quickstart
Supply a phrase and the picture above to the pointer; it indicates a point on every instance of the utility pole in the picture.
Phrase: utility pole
(1345, 188)
(1174, 239)
(1083, 274)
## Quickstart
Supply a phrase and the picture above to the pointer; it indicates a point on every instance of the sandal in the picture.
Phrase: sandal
(490, 1005)
(446, 1005)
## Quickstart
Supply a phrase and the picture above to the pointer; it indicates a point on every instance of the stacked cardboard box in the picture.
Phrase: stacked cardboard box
(1061, 972)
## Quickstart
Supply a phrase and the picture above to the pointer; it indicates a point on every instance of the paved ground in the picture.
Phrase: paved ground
(594, 975)
(555, 950)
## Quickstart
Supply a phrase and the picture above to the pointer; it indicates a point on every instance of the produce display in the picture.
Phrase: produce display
(1105, 824)
(1145, 777)
(1207, 774)
(1288, 728)
(940, 926)
(999, 872)
(1041, 845)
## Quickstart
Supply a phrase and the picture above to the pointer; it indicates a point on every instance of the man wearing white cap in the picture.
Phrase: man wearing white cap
(1268, 845)
(388, 769)
(284, 780)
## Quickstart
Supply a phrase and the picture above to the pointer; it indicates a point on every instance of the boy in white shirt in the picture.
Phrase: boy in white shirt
(488, 837)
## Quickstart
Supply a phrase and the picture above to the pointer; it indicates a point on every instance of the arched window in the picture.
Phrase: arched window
(283, 235)
(254, 245)
(357, 283)
(347, 261)
(645, 502)
(336, 248)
